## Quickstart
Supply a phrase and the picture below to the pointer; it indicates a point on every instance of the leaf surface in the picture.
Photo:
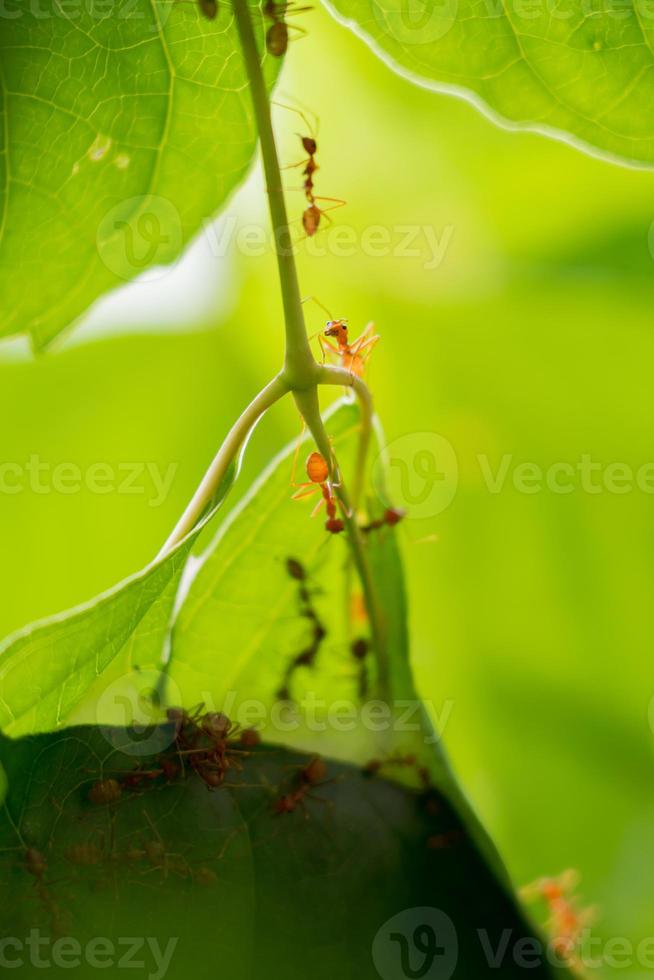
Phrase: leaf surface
(587, 75)
(347, 884)
(122, 129)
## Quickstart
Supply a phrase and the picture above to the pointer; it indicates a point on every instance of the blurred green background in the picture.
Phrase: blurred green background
(531, 614)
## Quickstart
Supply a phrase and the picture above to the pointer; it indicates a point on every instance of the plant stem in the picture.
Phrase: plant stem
(301, 373)
(331, 375)
(307, 402)
(299, 364)
(214, 476)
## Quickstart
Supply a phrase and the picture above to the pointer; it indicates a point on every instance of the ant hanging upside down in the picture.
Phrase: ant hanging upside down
(318, 473)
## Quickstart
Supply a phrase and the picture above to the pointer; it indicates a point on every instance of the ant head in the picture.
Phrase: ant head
(338, 329)
(309, 144)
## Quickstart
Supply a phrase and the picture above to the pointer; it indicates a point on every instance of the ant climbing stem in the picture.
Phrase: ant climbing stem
(319, 479)
(313, 213)
(277, 36)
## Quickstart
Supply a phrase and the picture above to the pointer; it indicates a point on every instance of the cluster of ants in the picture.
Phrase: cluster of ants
(207, 744)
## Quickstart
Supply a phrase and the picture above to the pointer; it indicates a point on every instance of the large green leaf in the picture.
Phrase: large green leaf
(122, 129)
(49, 667)
(219, 883)
(582, 70)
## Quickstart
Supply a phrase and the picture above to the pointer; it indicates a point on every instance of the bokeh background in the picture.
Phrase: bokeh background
(531, 614)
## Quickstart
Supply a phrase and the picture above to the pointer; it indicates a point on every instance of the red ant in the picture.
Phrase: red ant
(37, 866)
(566, 919)
(105, 792)
(360, 648)
(207, 742)
(307, 656)
(312, 214)
(310, 776)
(277, 33)
(390, 518)
(208, 7)
(353, 356)
(318, 473)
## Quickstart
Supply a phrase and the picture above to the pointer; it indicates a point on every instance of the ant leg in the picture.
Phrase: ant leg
(303, 493)
(317, 507)
(326, 347)
(365, 345)
(364, 334)
(338, 203)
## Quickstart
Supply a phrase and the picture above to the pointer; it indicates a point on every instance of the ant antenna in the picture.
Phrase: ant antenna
(322, 306)
(304, 112)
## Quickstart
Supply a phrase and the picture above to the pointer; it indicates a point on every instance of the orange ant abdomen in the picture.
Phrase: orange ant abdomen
(317, 469)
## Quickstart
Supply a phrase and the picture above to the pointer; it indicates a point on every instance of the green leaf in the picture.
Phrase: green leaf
(220, 881)
(47, 669)
(244, 637)
(122, 130)
(563, 70)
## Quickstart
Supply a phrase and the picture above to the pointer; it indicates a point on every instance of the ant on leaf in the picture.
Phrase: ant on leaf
(312, 775)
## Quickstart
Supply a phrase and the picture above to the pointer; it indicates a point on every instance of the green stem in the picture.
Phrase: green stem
(299, 364)
(307, 403)
(214, 476)
(331, 375)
